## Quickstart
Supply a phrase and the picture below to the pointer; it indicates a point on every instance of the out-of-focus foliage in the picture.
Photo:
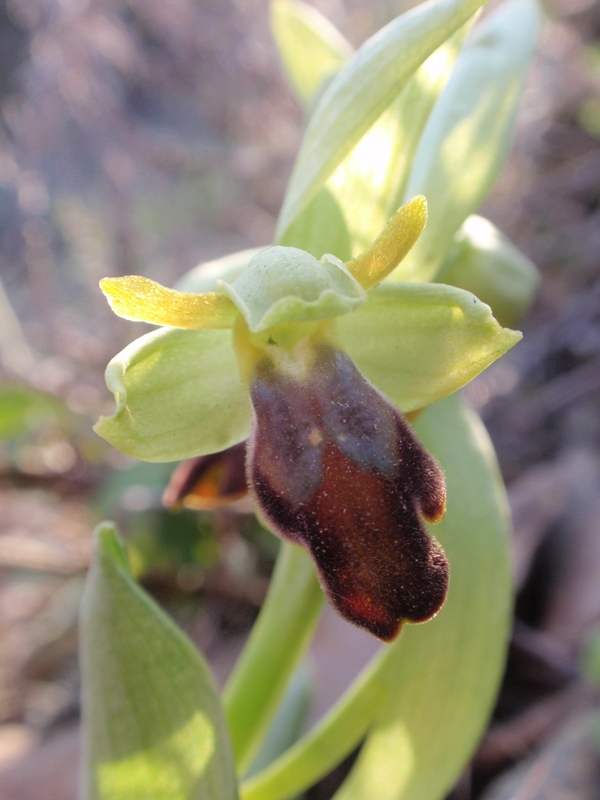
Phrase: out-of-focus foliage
(23, 409)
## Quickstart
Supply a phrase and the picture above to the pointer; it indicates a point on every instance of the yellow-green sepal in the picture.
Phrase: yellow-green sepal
(178, 395)
(284, 284)
(418, 343)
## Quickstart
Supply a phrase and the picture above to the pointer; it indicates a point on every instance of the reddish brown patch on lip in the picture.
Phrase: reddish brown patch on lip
(335, 467)
(208, 482)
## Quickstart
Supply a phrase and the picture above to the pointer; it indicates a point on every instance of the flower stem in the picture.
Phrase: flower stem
(278, 640)
(333, 738)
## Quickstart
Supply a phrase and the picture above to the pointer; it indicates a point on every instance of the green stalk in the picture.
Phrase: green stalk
(331, 740)
(278, 640)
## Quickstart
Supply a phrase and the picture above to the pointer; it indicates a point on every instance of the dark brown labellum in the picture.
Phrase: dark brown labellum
(335, 467)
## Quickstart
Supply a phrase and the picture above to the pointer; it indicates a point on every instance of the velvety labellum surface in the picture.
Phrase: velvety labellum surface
(335, 467)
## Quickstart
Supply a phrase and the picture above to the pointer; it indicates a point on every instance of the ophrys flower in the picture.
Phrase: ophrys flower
(332, 463)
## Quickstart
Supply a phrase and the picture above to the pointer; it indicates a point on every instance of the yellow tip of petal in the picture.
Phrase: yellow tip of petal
(140, 299)
(392, 244)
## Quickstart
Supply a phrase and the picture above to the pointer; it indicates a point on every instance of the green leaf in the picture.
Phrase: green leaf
(153, 726)
(484, 261)
(284, 284)
(178, 395)
(276, 645)
(369, 183)
(108, 544)
(467, 136)
(360, 93)
(311, 48)
(206, 276)
(418, 343)
(445, 673)
(23, 408)
(354, 206)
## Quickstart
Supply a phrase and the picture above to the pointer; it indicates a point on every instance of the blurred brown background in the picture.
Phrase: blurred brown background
(147, 136)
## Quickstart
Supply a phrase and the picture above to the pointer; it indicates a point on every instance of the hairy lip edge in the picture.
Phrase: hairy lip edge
(335, 467)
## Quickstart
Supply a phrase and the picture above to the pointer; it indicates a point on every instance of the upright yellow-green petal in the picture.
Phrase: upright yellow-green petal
(467, 136)
(444, 675)
(484, 261)
(140, 299)
(311, 48)
(418, 343)
(178, 395)
(392, 244)
(362, 90)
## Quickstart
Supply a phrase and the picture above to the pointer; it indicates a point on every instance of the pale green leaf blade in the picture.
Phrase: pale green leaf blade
(285, 284)
(354, 206)
(311, 48)
(369, 184)
(178, 395)
(467, 136)
(361, 91)
(445, 674)
(418, 343)
(153, 725)
(484, 261)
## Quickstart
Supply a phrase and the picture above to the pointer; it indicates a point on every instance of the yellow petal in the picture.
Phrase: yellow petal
(143, 300)
(392, 244)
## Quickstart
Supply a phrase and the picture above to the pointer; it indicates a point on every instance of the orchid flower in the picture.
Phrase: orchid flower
(314, 360)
